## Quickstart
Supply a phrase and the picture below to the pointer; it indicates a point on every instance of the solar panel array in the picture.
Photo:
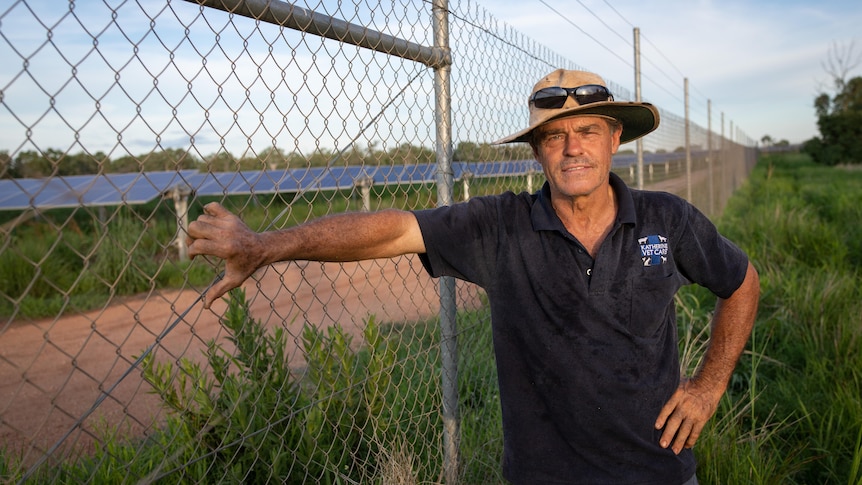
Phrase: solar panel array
(139, 188)
(142, 187)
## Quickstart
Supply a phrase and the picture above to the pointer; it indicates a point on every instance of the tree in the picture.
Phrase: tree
(407, 154)
(82, 163)
(468, 151)
(35, 164)
(169, 159)
(839, 117)
(839, 120)
(7, 170)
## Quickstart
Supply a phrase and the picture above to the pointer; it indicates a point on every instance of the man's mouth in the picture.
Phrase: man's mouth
(575, 167)
(576, 164)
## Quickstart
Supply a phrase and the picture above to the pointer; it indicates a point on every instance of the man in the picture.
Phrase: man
(580, 277)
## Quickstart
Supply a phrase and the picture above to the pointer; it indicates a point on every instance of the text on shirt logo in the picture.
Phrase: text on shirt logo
(653, 250)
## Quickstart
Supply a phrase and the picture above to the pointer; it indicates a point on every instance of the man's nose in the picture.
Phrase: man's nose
(573, 146)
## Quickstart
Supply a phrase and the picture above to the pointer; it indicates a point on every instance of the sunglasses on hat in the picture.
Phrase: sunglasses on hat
(555, 97)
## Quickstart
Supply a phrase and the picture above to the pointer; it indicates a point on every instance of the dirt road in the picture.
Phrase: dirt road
(53, 371)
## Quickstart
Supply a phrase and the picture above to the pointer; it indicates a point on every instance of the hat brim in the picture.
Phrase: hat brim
(638, 119)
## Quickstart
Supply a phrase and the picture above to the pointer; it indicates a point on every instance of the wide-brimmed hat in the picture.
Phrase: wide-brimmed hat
(637, 119)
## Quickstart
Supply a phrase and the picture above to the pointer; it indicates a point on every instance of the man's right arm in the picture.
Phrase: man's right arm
(343, 237)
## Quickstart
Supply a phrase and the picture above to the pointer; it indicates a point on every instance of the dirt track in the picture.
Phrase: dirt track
(51, 372)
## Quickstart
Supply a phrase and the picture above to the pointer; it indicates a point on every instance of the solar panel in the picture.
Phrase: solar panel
(88, 190)
(142, 187)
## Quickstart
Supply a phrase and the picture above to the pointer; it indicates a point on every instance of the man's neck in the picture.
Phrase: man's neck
(589, 218)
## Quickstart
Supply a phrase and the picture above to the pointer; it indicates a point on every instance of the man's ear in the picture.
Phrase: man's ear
(615, 141)
(534, 145)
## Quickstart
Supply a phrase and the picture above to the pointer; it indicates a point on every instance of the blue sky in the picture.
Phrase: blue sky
(761, 63)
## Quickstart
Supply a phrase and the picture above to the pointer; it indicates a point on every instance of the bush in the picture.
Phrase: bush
(254, 421)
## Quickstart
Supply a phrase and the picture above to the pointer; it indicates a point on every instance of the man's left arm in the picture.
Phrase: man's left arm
(696, 400)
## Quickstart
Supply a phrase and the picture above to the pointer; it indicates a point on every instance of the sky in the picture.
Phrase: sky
(760, 62)
(82, 76)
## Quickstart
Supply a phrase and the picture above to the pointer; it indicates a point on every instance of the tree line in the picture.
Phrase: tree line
(839, 116)
(839, 120)
(53, 162)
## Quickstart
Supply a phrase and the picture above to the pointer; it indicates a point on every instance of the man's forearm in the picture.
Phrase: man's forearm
(346, 237)
(731, 328)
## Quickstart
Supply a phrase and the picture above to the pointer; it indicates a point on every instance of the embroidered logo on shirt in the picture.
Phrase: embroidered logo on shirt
(653, 250)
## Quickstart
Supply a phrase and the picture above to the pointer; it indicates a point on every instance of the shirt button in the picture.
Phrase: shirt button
(589, 272)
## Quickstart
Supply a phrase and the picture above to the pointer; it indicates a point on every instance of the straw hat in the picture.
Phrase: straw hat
(637, 119)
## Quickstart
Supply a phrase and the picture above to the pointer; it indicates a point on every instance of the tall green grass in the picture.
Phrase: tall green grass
(68, 260)
(57, 264)
(798, 419)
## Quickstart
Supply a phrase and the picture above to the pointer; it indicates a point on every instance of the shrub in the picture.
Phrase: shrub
(253, 420)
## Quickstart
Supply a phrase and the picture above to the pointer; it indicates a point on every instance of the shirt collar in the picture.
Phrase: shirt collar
(545, 219)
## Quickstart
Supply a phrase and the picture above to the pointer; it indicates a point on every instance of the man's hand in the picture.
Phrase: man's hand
(218, 232)
(685, 414)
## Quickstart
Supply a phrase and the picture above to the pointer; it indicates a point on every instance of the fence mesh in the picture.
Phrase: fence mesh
(121, 120)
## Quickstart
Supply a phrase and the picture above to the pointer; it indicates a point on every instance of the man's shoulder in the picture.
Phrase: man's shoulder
(662, 210)
(505, 206)
(657, 196)
(505, 201)
(509, 197)
(659, 202)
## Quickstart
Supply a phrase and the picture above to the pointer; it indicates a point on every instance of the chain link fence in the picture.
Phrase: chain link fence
(121, 120)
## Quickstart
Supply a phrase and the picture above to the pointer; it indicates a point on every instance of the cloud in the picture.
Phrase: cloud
(759, 62)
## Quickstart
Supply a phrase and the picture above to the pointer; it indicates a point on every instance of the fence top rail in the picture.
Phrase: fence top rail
(291, 16)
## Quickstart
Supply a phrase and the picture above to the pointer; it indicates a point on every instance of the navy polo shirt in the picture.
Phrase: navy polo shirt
(586, 349)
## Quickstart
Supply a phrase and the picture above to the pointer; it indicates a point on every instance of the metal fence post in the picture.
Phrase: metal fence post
(466, 178)
(710, 157)
(445, 185)
(732, 167)
(687, 146)
(639, 143)
(180, 193)
(364, 184)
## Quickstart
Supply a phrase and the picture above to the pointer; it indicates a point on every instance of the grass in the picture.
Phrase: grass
(799, 417)
(70, 262)
(73, 260)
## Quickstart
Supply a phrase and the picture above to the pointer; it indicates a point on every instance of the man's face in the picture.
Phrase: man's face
(576, 154)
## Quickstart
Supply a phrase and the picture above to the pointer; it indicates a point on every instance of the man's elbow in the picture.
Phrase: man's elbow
(752, 280)
(748, 293)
